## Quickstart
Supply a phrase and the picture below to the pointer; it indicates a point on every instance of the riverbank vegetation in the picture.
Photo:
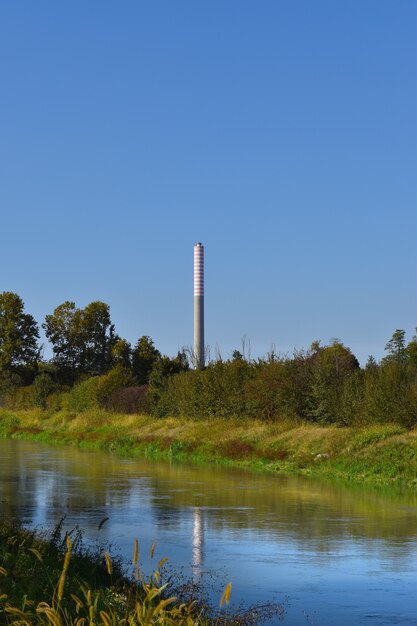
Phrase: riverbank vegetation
(315, 411)
(376, 454)
(53, 580)
(94, 367)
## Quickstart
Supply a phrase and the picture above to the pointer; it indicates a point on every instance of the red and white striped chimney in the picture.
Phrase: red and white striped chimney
(199, 306)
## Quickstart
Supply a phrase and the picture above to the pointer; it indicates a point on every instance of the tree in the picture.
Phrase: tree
(411, 351)
(99, 338)
(331, 368)
(163, 369)
(82, 339)
(266, 391)
(19, 334)
(63, 329)
(371, 363)
(122, 353)
(396, 348)
(144, 356)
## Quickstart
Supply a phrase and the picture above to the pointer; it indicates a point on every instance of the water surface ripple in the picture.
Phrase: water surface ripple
(345, 556)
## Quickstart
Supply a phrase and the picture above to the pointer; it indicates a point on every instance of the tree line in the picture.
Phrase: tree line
(84, 344)
(93, 366)
(323, 384)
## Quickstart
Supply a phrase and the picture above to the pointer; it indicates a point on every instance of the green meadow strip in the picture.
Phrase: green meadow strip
(379, 454)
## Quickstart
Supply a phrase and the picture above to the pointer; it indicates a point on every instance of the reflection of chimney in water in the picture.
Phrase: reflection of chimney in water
(198, 541)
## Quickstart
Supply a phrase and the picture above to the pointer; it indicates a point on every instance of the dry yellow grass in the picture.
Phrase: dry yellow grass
(277, 446)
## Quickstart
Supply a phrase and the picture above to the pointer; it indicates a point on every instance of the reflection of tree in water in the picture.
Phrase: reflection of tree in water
(40, 482)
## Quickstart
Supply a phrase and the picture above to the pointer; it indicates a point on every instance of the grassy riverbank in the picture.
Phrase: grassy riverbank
(51, 579)
(379, 454)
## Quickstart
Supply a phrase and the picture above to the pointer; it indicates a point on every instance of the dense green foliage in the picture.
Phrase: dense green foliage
(323, 385)
(82, 339)
(19, 348)
(144, 357)
(93, 367)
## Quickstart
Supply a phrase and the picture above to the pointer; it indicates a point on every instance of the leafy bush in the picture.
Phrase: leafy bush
(391, 394)
(352, 401)
(270, 393)
(83, 396)
(42, 388)
(9, 382)
(216, 391)
(117, 378)
(20, 398)
(324, 385)
(57, 401)
(93, 392)
(9, 423)
(128, 400)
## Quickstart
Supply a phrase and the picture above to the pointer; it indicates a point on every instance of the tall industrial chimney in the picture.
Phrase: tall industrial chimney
(199, 306)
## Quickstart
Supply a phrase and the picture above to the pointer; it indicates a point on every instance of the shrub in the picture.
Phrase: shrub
(391, 394)
(270, 394)
(9, 423)
(128, 400)
(43, 387)
(217, 391)
(352, 400)
(93, 392)
(118, 377)
(20, 398)
(83, 396)
(332, 367)
(9, 382)
(57, 401)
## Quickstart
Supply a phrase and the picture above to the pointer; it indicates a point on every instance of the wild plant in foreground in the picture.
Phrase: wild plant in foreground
(140, 604)
(35, 592)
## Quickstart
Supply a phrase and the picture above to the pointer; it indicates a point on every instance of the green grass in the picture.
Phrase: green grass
(384, 454)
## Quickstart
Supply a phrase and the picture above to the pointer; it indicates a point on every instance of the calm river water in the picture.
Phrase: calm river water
(344, 556)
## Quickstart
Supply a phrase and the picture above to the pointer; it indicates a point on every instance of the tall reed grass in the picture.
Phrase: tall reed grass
(55, 582)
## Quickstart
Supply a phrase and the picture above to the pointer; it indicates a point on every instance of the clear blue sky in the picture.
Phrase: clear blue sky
(280, 133)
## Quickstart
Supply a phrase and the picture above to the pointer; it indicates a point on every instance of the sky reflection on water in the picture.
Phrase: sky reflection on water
(344, 555)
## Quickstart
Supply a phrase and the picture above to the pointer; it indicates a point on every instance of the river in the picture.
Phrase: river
(338, 555)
